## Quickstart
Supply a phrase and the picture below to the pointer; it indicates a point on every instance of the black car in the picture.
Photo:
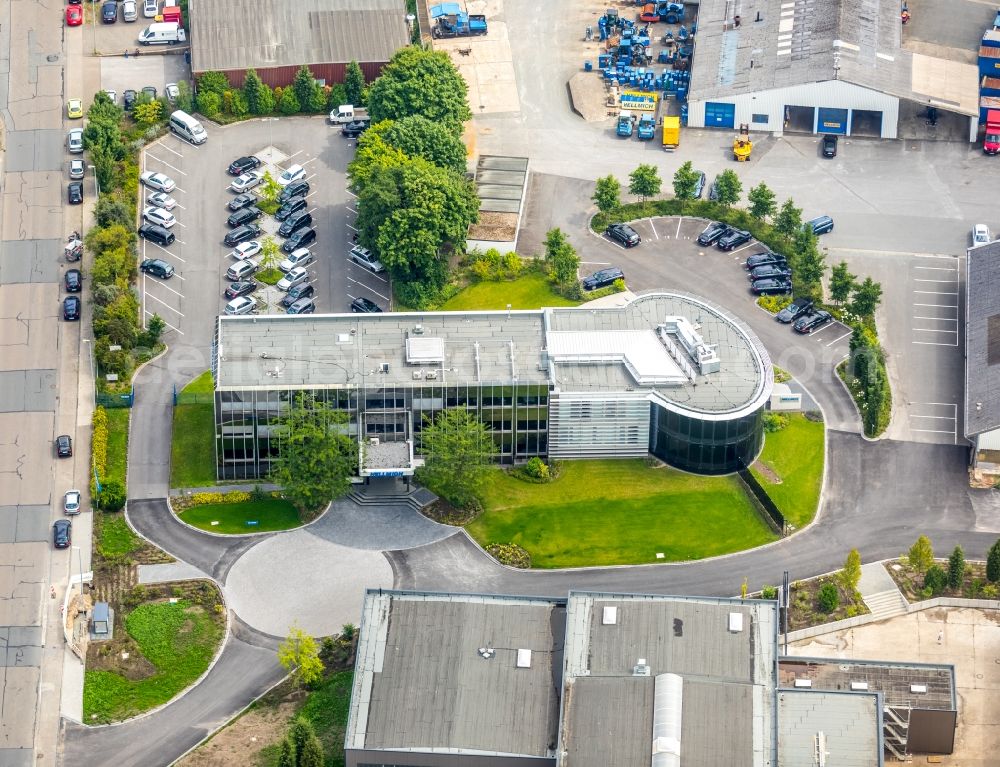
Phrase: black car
(812, 321)
(733, 239)
(295, 189)
(73, 280)
(149, 91)
(624, 234)
(244, 216)
(294, 223)
(829, 145)
(129, 98)
(776, 271)
(763, 259)
(354, 128)
(62, 533)
(302, 290)
(71, 308)
(157, 267)
(771, 286)
(603, 278)
(156, 233)
(241, 165)
(64, 446)
(237, 289)
(699, 185)
(364, 306)
(242, 234)
(109, 13)
(794, 310)
(74, 192)
(242, 201)
(299, 239)
(712, 232)
(294, 205)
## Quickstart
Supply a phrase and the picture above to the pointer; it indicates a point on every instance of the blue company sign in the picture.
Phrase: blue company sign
(396, 473)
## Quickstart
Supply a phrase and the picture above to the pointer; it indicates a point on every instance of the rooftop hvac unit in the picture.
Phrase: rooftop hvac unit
(383, 367)
(418, 374)
(640, 668)
(418, 330)
(431, 375)
(373, 441)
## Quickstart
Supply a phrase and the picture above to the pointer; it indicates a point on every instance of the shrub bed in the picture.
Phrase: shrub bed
(509, 554)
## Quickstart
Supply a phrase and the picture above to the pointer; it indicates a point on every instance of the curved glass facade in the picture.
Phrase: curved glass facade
(705, 447)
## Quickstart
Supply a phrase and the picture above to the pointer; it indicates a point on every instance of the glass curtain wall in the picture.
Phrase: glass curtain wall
(706, 447)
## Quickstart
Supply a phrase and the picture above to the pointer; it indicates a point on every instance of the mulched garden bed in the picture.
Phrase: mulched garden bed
(911, 582)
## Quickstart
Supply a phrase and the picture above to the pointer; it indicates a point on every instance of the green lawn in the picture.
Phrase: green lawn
(531, 291)
(117, 444)
(179, 639)
(192, 452)
(273, 514)
(326, 708)
(115, 537)
(619, 512)
(203, 384)
(796, 455)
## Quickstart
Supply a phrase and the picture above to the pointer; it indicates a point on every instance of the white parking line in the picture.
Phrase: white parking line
(935, 330)
(937, 292)
(678, 232)
(748, 245)
(839, 338)
(164, 322)
(352, 210)
(178, 189)
(292, 157)
(351, 228)
(935, 319)
(160, 301)
(935, 417)
(938, 268)
(163, 285)
(181, 207)
(654, 229)
(164, 146)
(932, 431)
(180, 224)
(939, 306)
(932, 343)
(164, 162)
(351, 193)
(948, 281)
(369, 289)
(597, 263)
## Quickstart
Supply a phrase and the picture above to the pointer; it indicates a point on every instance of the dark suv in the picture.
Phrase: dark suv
(624, 234)
(73, 280)
(712, 232)
(62, 533)
(242, 165)
(74, 193)
(71, 308)
(157, 234)
(829, 145)
(355, 128)
(157, 267)
(241, 234)
(794, 310)
(244, 216)
(299, 239)
(763, 259)
(242, 201)
(295, 189)
(294, 205)
(64, 446)
(807, 323)
(733, 239)
(302, 290)
(779, 271)
(603, 278)
(294, 223)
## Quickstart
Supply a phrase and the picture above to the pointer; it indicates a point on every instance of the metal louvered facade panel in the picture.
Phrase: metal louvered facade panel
(616, 426)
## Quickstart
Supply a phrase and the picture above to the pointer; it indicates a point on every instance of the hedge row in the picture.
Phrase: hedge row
(98, 448)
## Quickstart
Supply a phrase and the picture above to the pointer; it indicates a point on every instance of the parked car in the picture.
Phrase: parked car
(354, 128)
(240, 271)
(820, 225)
(157, 267)
(794, 310)
(74, 192)
(763, 259)
(624, 235)
(74, 109)
(300, 257)
(241, 165)
(150, 9)
(302, 306)
(302, 290)
(814, 320)
(980, 235)
(829, 145)
(74, 141)
(71, 308)
(149, 91)
(293, 223)
(779, 271)
(242, 200)
(295, 189)
(74, 16)
(733, 239)
(242, 288)
(364, 306)
(64, 446)
(771, 286)
(112, 95)
(159, 216)
(241, 234)
(172, 92)
(109, 12)
(62, 533)
(711, 233)
(156, 233)
(299, 239)
(364, 257)
(294, 205)
(241, 305)
(290, 174)
(162, 200)
(699, 185)
(73, 280)
(713, 190)
(246, 250)
(158, 181)
(129, 97)
(247, 181)
(71, 502)
(244, 216)
(77, 169)
(129, 12)
(294, 277)
(603, 278)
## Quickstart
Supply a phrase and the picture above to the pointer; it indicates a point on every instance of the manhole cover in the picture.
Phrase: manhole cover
(52, 57)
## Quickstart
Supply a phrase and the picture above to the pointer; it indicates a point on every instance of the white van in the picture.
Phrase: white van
(189, 129)
(167, 32)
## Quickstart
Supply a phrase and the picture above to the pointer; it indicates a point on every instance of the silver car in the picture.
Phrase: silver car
(71, 502)
(74, 141)
(365, 258)
(294, 277)
(159, 216)
(77, 169)
(162, 200)
(300, 257)
(246, 182)
(150, 8)
(158, 181)
(241, 305)
(240, 271)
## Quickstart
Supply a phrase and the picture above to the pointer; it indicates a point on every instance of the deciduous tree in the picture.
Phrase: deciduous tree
(148, 113)
(993, 563)
(867, 297)
(842, 282)
(762, 202)
(728, 188)
(851, 574)
(561, 259)
(416, 136)
(459, 451)
(685, 181)
(607, 193)
(789, 220)
(354, 84)
(645, 181)
(299, 655)
(374, 153)
(423, 82)
(213, 82)
(289, 103)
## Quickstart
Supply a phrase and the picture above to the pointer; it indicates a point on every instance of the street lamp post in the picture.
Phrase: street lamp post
(97, 181)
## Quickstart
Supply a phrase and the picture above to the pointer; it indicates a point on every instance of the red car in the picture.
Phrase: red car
(74, 15)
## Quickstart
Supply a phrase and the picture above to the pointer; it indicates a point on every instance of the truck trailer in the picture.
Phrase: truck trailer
(991, 141)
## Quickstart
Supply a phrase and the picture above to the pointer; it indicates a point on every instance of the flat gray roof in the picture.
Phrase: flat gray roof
(982, 339)
(728, 677)
(797, 42)
(576, 350)
(236, 34)
(846, 726)
(422, 684)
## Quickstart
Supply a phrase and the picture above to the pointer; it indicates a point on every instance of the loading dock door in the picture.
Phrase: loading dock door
(866, 122)
(719, 115)
(832, 121)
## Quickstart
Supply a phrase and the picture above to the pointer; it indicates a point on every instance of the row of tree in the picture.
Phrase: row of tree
(937, 578)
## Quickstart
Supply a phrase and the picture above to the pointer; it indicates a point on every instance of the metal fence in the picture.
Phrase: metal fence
(193, 398)
(116, 400)
(771, 513)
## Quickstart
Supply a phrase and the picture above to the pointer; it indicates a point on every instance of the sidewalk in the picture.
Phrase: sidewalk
(879, 591)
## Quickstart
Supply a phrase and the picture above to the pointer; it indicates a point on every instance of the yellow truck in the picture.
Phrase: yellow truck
(742, 145)
(671, 132)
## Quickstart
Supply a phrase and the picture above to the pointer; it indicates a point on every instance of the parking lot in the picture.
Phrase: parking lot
(190, 301)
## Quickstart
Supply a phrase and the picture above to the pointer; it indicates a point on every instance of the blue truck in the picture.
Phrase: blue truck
(451, 21)
(626, 123)
(646, 128)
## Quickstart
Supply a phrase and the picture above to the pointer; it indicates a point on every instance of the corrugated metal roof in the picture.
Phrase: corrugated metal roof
(844, 726)
(982, 339)
(244, 34)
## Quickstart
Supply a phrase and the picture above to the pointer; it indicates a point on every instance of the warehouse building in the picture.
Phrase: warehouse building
(276, 37)
(631, 680)
(668, 374)
(831, 67)
(982, 358)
